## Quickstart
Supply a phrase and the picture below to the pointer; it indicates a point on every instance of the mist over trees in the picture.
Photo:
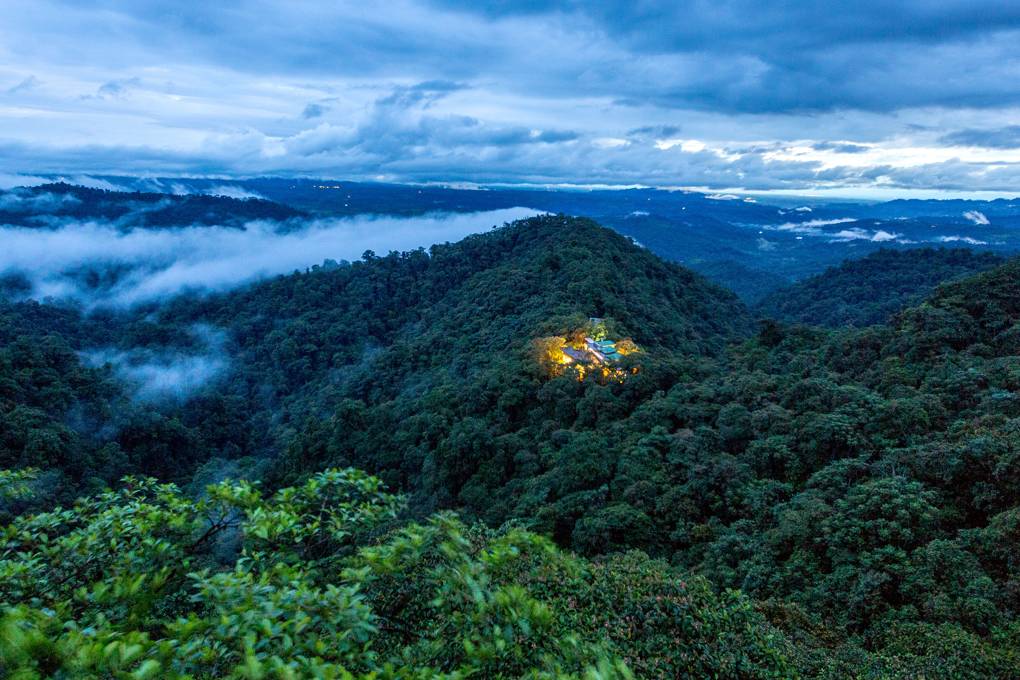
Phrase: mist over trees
(97, 248)
(447, 340)
(771, 500)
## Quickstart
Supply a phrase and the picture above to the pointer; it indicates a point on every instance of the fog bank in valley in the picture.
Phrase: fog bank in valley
(155, 375)
(98, 264)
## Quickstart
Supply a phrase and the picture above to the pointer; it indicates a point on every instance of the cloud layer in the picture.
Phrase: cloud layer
(160, 375)
(99, 264)
(729, 94)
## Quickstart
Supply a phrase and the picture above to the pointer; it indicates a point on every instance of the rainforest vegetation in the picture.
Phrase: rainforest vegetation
(872, 289)
(383, 481)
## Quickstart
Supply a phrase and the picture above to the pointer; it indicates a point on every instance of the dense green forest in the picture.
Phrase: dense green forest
(755, 501)
(750, 285)
(871, 289)
(322, 581)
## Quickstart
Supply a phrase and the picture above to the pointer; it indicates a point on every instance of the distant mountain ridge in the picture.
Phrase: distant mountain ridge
(740, 242)
(51, 205)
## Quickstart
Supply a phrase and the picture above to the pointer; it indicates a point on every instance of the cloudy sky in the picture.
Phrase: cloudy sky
(870, 98)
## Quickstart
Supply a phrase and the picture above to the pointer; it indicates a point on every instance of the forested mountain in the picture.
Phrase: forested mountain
(869, 290)
(750, 285)
(858, 487)
(52, 205)
(323, 581)
(386, 331)
(749, 245)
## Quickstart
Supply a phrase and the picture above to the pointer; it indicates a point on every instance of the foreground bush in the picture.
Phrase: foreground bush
(320, 580)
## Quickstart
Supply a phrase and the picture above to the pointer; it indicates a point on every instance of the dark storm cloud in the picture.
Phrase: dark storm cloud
(655, 132)
(1000, 138)
(745, 55)
(313, 111)
(841, 147)
(424, 94)
(732, 93)
(400, 127)
(731, 55)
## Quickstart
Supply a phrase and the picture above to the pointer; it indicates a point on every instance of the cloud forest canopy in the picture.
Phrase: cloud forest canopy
(855, 485)
(870, 290)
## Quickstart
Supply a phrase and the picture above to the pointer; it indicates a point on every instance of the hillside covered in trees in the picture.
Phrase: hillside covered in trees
(52, 205)
(871, 289)
(394, 332)
(755, 501)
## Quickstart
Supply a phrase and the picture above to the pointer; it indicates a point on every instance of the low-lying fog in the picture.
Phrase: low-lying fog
(154, 375)
(99, 264)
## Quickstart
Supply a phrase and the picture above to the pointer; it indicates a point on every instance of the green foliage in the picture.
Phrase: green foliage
(751, 284)
(858, 486)
(144, 582)
(14, 484)
(871, 289)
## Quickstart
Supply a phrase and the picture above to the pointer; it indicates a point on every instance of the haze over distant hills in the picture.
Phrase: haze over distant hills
(742, 243)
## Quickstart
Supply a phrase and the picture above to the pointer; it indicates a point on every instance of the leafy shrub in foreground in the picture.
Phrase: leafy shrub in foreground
(317, 581)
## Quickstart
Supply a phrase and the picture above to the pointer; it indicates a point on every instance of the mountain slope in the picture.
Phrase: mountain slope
(429, 358)
(978, 315)
(873, 288)
(750, 285)
(859, 485)
(396, 335)
(51, 205)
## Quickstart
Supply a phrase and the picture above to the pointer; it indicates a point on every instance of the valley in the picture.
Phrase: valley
(826, 474)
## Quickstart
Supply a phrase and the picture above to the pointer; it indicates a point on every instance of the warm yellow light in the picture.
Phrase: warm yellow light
(551, 351)
(627, 346)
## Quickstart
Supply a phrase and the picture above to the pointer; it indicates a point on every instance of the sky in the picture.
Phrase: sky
(871, 98)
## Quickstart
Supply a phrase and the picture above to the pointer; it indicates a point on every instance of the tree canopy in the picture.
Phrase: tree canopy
(770, 501)
(321, 581)
(870, 290)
